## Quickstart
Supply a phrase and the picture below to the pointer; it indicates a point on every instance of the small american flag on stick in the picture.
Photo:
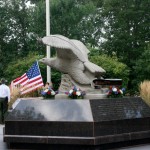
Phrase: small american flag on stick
(29, 81)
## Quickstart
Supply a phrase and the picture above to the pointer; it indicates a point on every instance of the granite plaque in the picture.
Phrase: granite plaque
(119, 109)
(99, 83)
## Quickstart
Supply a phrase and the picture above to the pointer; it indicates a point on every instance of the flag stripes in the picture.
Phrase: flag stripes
(29, 81)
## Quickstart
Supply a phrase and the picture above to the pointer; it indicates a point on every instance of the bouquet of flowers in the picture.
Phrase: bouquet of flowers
(48, 93)
(115, 92)
(75, 93)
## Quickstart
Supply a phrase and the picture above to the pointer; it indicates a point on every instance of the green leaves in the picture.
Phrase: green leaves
(142, 67)
(114, 68)
(127, 30)
(123, 24)
(20, 66)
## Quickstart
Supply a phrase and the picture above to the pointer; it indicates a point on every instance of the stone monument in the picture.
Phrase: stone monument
(72, 61)
(77, 125)
(91, 124)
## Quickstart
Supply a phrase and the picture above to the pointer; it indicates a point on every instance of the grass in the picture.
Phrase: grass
(15, 94)
(145, 91)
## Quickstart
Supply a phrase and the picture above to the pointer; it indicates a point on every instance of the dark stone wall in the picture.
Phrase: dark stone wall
(78, 122)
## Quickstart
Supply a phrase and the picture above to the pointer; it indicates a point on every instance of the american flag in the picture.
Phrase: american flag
(29, 81)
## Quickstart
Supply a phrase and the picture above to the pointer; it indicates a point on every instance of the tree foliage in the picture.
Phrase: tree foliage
(22, 65)
(142, 67)
(71, 18)
(114, 69)
(126, 23)
(14, 39)
(114, 27)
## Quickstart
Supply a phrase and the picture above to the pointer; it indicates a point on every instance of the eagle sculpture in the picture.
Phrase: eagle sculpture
(71, 59)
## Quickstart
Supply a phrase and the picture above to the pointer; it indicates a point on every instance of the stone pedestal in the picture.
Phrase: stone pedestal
(78, 124)
(87, 96)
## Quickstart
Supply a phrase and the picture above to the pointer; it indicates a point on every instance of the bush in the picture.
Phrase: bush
(145, 91)
(142, 68)
(114, 68)
(18, 67)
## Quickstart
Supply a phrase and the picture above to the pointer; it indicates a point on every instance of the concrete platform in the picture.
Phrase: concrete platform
(2, 144)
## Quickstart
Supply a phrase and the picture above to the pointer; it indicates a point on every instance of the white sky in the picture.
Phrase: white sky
(29, 4)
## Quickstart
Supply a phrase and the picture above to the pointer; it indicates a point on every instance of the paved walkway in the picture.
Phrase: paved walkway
(141, 147)
(2, 144)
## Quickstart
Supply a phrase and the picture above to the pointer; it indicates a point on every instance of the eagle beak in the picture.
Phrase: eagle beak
(39, 40)
(41, 60)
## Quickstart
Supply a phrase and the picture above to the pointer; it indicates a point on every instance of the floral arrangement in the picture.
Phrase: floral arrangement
(115, 92)
(48, 93)
(75, 93)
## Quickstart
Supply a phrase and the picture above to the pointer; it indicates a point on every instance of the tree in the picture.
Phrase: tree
(16, 38)
(17, 26)
(25, 24)
(71, 18)
(114, 68)
(126, 23)
(23, 64)
(142, 67)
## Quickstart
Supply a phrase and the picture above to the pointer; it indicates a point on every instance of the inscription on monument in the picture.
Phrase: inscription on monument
(115, 109)
(107, 82)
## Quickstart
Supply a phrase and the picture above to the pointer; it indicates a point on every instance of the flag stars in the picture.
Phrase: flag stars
(33, 71)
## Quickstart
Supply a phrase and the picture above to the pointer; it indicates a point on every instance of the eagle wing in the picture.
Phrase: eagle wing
(67, 48)
(93, 68)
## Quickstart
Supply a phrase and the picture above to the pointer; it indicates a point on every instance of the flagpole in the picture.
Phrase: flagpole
(48, 51)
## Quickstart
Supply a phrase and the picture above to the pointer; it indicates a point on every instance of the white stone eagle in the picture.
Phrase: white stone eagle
(71, 59)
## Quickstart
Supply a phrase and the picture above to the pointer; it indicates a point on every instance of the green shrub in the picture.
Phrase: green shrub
(18, 67)
(114, 68)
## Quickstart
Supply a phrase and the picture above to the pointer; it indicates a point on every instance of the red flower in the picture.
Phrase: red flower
(49, 92)
(109, 93)
(118, 89)
(110, 87)
(74, 93)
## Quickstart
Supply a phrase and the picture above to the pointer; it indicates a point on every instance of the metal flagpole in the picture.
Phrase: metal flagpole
(47, 34)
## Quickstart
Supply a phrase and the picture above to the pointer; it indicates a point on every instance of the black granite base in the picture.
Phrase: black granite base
(79, 147)
(78, 124)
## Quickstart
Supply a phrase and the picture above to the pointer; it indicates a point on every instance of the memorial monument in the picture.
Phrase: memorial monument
(72, 60)
(91, 124)
(77, 124)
